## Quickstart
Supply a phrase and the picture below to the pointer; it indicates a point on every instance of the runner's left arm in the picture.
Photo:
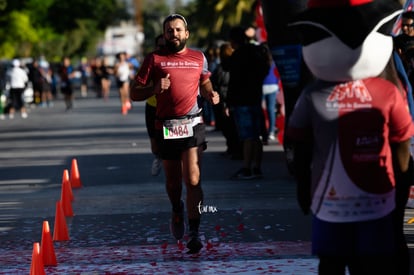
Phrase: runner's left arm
(208, 93)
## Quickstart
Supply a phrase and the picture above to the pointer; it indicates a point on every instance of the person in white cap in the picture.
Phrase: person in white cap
(17, 79)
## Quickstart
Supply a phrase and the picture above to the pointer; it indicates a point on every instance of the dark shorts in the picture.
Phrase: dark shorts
(120, 83)
(84, 80)
(171, 149)
(46, 86)
(66, 88)
(16, 96)
(249, 120)
(368, 238)
(150, 119)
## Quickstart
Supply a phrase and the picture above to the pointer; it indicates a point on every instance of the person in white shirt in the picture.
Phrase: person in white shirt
(122, 72)
(17, 79)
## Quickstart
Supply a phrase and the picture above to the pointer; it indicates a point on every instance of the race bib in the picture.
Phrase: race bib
(177, 128)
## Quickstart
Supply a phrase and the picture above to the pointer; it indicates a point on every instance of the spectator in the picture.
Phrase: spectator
(46, 83)
(406, 37)
(270, 91)
(122, 75)
(96, 64)
(84, 69)
(18, 80)
(66, 74)
(213, 59)
(224, 119)
(105, 75)
(248, 67)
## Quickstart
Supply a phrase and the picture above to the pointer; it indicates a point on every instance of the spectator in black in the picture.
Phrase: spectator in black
(403, 41)
(248, 66)
(66, 73)
(35, 77)
(224, 121)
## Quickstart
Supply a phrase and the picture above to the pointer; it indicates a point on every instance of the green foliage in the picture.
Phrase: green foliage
(56, 27)
(38, 11)
(64, 14)
(154, 13)
(17, 36)
(218, 16)
(53, 27)
(7, 50)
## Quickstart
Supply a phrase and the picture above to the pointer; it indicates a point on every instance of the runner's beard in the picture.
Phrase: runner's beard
(173, 47)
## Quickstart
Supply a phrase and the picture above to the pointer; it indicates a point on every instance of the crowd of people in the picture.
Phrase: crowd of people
(46, 81)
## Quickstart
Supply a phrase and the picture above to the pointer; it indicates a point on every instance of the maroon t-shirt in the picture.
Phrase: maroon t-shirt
(186, 69)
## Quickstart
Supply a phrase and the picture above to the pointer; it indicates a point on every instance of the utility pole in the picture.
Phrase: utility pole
(138, 12)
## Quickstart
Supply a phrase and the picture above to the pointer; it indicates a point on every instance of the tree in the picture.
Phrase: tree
(153, 15)
(63, 15)
(54, 28)
(212, 19)
(17, 36)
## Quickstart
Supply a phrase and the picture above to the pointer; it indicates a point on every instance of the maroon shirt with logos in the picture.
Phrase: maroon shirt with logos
(186, 69)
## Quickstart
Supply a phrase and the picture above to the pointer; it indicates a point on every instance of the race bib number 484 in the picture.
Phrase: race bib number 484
(178, 131)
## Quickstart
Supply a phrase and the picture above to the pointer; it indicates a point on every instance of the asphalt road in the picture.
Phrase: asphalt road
(121, 213)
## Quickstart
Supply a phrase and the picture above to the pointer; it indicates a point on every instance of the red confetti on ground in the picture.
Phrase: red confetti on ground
(119, 260)
(240, 227)
(180, 245)
(217, 227)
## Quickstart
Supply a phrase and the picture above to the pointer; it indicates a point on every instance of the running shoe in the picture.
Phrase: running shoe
(177, 226)
(194, 244)
(124, 110)
(156, 166)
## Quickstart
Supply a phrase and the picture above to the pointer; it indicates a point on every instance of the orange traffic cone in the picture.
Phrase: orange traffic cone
(37, 267)
(66, 199)
(60, 232)
(65, 178)
(46, 247)
(74, 175)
